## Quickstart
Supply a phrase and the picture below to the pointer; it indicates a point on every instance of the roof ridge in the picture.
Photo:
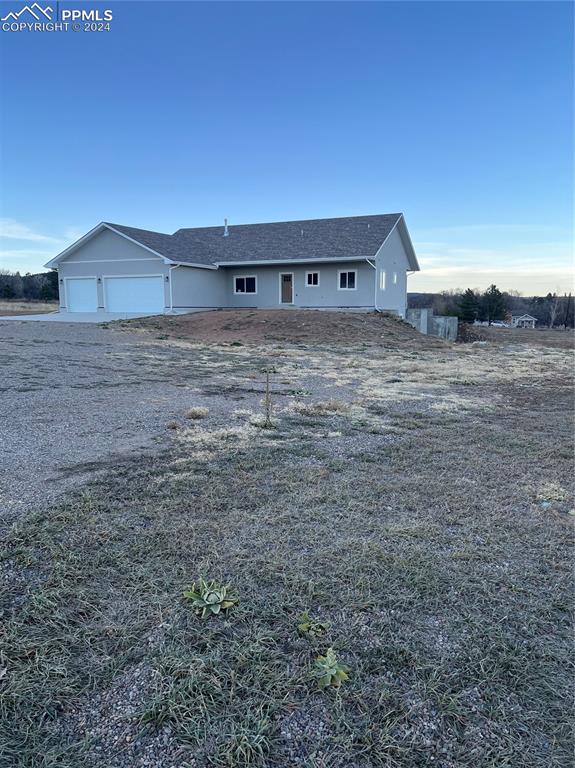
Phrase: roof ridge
(294, 221)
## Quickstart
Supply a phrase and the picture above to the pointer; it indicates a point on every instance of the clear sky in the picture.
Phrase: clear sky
(459, 114)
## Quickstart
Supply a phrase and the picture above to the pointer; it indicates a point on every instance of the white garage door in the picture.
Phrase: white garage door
(134, 294)
(82, 294)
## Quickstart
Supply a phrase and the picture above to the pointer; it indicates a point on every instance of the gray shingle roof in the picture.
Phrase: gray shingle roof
(352, 237)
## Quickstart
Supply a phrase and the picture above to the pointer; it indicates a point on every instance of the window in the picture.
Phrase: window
(382, 280)
(347, 281)
(395, 278)
(312, 279)
(245, 284)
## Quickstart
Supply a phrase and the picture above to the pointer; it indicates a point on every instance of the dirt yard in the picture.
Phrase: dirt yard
(251, 327)
(415, 498)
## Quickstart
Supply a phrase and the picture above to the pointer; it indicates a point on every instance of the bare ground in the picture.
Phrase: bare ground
(315, 327)
(415, 499)
(78, 399)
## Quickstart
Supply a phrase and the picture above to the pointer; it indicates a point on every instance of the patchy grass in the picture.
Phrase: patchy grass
(409, 524)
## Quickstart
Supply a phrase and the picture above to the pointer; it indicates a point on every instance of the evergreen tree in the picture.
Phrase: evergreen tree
(52, 279)
(46, 292)
(493, 304)
(468, 307)
(7, 291)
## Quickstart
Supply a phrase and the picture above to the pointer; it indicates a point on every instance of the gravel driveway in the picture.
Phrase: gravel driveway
(76, 397)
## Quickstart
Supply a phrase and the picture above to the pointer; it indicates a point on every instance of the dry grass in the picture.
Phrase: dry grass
(538, 337)
(197, 412)
(329, 407)
(16, 307)
(430, 533)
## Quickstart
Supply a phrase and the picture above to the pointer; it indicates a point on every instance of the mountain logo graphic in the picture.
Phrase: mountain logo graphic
(35, 10)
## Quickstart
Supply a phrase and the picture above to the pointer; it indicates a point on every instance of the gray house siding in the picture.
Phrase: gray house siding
(391, 259)
(195, 287)
(325, 295)
(110, 255)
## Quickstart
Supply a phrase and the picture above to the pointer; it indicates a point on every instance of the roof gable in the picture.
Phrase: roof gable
(89, 236)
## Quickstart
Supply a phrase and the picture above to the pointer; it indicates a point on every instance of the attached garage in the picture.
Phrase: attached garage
(134, 294)
(81, 294)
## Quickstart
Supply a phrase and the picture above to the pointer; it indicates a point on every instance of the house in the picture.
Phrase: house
(358, 262)
(523, 321)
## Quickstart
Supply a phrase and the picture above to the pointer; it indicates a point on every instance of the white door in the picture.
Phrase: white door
(134, 294)
(82, 294)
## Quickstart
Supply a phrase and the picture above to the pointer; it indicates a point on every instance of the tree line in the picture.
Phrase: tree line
(494, 305)
(40, 287)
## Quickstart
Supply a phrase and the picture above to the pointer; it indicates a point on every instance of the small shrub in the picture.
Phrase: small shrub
(173, 425)
(328, 670)
(267, 404)
(197, 412)
(311, 628)
(209, 598)
(326, 408)
(263, 422)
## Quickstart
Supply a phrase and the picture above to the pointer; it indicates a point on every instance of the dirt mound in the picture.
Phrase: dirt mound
(289, 326)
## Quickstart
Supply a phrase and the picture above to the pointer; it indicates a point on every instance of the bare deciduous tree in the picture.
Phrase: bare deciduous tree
(553, 302)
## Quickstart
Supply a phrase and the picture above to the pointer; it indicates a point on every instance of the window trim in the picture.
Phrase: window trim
(395, 278)
(346, 271)
(311, 285)
(245, 293)
(382, 279)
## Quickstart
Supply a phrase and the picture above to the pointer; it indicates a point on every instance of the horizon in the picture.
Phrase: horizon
(434, 118)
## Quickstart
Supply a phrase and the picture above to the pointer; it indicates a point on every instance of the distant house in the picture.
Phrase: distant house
(523, 321)
(358, 262)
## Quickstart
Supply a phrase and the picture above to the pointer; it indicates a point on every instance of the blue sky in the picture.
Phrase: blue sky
(459, 114)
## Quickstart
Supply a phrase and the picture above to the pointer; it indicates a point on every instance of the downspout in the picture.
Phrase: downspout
(171, 291)
(375, 285)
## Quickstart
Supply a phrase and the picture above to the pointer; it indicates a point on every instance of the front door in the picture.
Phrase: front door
(286, 288)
